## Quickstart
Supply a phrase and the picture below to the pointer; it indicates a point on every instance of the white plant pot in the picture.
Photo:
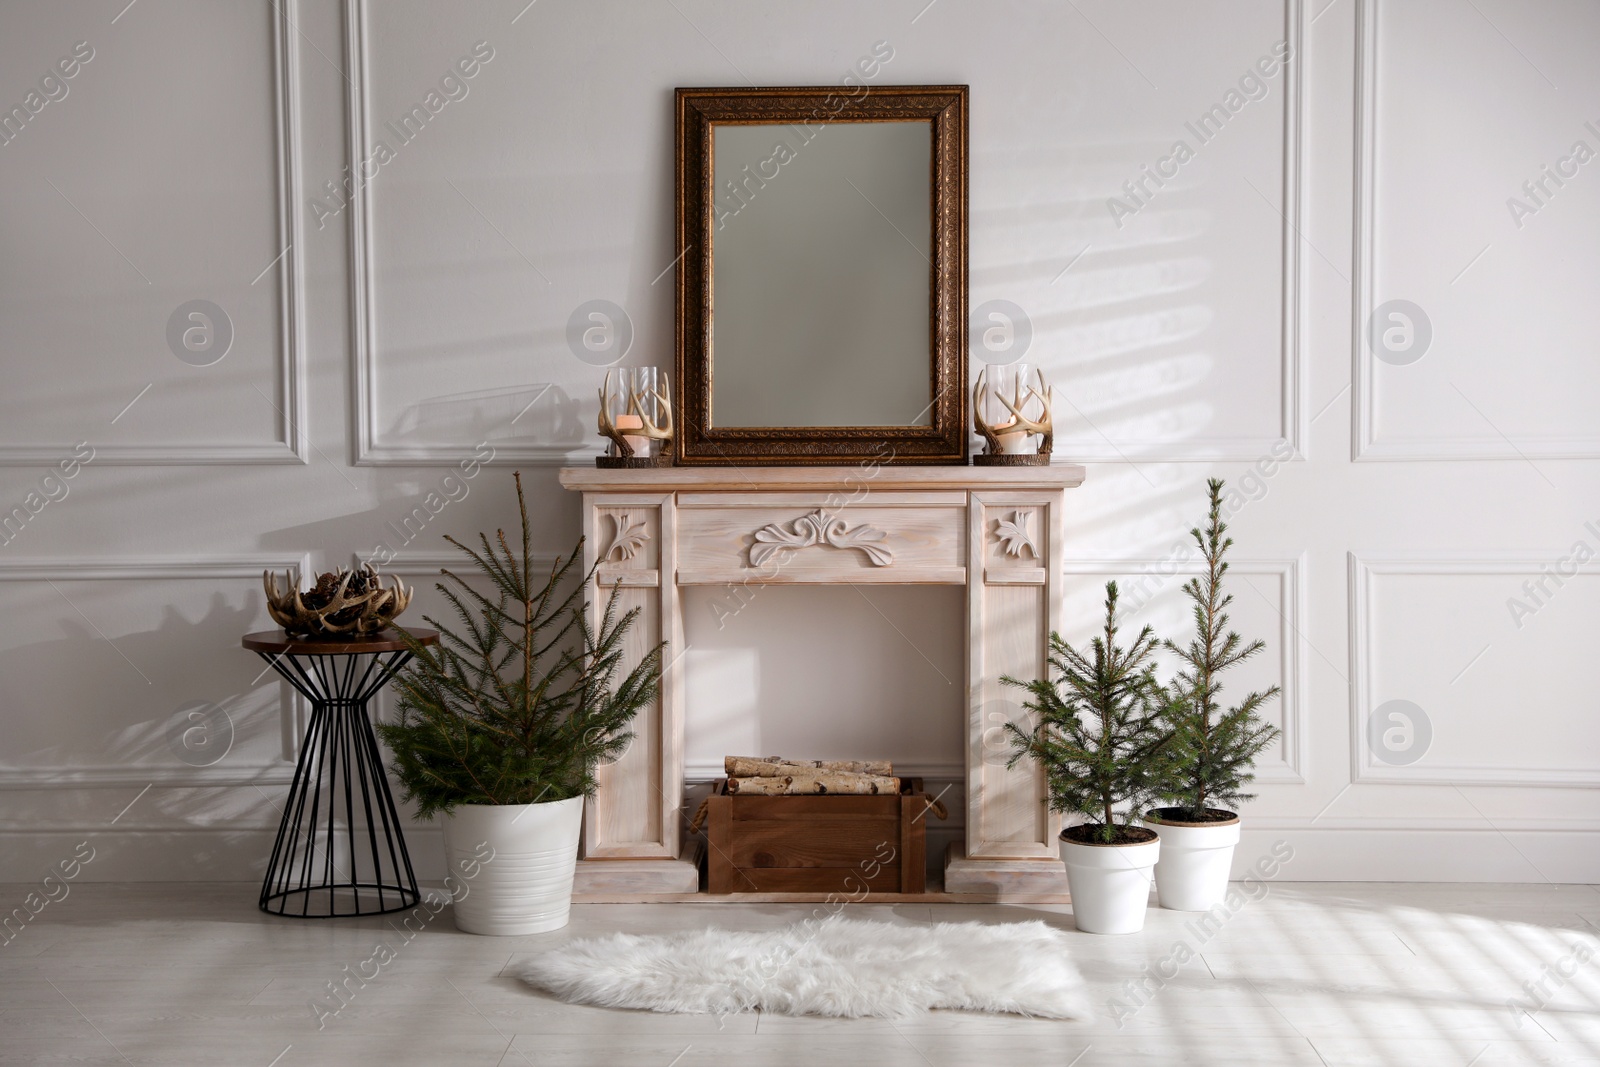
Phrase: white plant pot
(1195, 861)
(1110, 884)
(526, 887)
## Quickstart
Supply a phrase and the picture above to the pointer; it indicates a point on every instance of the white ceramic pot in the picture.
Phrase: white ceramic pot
(1110, 884)
(1195, 860)
(526, 885)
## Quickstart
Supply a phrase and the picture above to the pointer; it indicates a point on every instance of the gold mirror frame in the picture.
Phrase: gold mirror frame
(944, 440)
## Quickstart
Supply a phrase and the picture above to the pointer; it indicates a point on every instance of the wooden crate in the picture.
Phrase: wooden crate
(816, 844)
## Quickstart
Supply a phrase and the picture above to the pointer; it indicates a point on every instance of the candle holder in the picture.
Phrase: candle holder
(1013, 416)
(637, 420)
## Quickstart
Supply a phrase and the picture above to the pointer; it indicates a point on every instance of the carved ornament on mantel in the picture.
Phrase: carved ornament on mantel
(628, 537)
(1014, 534)
(819, 528)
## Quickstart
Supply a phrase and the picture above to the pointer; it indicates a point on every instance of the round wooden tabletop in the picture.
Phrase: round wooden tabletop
(340, 645)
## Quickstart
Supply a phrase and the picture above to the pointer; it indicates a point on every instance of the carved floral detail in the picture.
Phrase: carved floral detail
(628, 537)
(820, 528)
(1014, 534)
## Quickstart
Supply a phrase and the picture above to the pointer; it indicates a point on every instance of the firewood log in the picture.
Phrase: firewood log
(778, 767)
(815, 784)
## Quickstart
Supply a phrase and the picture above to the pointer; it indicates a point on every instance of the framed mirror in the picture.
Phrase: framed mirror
(822, 275)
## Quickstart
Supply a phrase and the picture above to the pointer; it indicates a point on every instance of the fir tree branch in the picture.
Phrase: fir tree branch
(517, 704)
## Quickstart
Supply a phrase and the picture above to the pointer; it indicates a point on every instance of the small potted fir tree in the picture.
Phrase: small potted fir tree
(1098, 734)
(502, 724)
(1214, 747)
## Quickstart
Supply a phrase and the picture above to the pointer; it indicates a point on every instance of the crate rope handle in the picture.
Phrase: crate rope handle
(700, 816)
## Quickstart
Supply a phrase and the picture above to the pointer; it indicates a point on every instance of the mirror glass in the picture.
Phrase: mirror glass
(821, 275)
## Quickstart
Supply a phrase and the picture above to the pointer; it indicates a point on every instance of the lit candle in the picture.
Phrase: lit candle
(1014, 442)
(639, 443)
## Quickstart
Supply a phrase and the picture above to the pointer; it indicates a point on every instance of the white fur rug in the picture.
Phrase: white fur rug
(835, 967)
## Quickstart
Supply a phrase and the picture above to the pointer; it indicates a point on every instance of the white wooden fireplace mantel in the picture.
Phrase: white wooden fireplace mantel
(995, 530)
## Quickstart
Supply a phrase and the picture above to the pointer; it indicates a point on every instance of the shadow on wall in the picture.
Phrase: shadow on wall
(411, 518)
(56, 691)
(541, 413)
(417, 507)
(1162, 331)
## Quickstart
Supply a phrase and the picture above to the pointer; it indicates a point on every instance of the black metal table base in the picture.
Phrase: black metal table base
(339, 800)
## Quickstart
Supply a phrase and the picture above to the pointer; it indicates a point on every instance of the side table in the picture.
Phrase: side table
(339, 768)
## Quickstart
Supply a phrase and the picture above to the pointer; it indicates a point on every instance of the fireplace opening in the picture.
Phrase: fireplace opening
(830, 672)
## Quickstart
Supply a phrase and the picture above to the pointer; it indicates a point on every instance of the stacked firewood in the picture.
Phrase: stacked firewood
(775, 776)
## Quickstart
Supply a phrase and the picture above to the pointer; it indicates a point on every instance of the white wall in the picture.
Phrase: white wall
(1213, 331)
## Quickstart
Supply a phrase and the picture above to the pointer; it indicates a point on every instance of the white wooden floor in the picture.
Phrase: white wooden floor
(1328, 974)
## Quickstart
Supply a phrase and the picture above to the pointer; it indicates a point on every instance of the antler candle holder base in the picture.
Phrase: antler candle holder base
(662, 459)
(1007, 459)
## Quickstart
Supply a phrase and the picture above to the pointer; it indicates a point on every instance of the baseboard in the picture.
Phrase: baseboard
(1338, 853)
(181, 854)
(1341, 854)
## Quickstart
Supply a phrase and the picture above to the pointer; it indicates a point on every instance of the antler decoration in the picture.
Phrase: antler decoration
(342, 602)
(636, 406)
(991, 443)
(608, 429)
(651, 430)
(1043, 425)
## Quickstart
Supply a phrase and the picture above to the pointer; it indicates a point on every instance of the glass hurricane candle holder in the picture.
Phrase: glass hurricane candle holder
(1013, 415)
(636, 418)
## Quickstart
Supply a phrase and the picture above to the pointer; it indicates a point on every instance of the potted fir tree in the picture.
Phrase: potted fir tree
(502, 724)
(1099, 737)
(1214, 747)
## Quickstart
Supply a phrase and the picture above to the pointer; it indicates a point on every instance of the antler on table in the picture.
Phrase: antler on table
(336, 610)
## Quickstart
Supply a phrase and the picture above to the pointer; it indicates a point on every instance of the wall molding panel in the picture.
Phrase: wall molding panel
(294, 446)
(370, 449)
(1362, 572)
(1293, 347)
(1296, 377)
(1366, 445)
(291, 268)
(277, 772)
(151, 568)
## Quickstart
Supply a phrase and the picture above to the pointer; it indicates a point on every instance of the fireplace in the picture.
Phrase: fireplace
(996, 531)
